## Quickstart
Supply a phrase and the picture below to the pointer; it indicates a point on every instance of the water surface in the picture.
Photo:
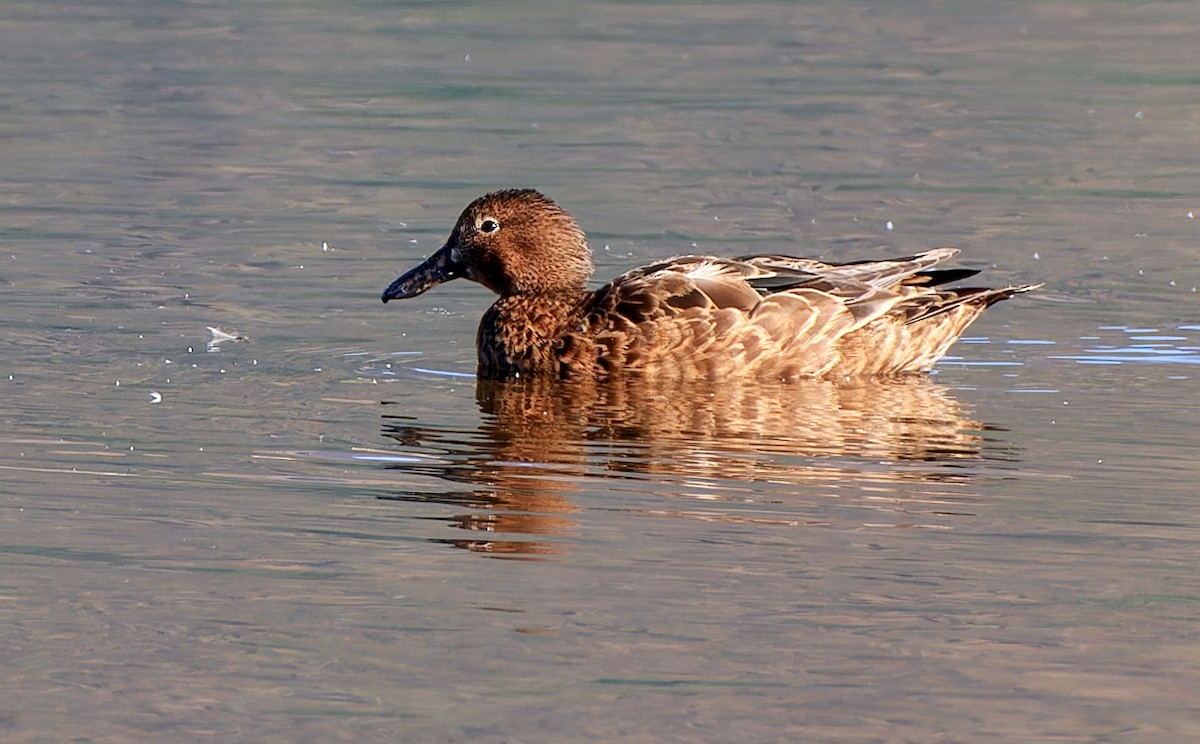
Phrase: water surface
(322, 529)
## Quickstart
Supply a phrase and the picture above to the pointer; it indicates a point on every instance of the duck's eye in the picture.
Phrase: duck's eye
(489, 226)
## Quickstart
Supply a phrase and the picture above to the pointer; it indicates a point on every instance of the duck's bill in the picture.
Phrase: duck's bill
(438, 268)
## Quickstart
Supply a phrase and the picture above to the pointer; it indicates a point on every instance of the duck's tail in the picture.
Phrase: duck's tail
(981, 297)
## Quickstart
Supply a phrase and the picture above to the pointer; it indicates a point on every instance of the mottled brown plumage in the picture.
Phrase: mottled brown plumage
(692, 317)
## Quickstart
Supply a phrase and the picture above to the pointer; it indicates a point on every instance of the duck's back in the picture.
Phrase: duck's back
(774, 317)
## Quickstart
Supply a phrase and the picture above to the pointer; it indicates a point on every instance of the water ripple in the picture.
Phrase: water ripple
(1151, 346)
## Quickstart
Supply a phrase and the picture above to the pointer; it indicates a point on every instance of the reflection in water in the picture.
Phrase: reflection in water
(541, 442)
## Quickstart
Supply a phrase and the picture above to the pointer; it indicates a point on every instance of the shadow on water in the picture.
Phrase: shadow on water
(544, 448)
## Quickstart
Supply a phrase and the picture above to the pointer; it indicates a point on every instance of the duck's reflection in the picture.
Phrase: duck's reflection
(540, 442)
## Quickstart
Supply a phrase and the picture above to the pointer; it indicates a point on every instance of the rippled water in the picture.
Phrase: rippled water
(312, 524)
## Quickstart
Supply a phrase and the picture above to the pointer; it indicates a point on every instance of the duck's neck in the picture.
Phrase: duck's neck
(522, 334)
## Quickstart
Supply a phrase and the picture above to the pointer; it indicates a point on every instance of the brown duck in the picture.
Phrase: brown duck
(692, 317)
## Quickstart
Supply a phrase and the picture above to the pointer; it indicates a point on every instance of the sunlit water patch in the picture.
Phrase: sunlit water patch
(1116, 345)
(984, 351)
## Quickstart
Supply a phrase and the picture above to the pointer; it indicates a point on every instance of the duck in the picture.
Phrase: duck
(692, 317)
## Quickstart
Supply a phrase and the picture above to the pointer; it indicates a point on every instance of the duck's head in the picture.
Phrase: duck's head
(512, 242)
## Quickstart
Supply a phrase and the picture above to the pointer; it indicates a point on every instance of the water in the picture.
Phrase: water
(321, 529)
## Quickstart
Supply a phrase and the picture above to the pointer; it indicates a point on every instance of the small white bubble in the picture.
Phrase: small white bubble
(324, 246)
(888, 226)
(155, 396)
(1037, 256)
(118, 383)
(1137, 115)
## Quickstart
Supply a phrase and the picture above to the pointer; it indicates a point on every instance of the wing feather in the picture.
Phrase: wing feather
(781, 315)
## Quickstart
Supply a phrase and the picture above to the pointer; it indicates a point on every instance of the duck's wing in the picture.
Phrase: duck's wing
(704, 316)
(900, 287)
(768, 273)
(762, 284)
(882, 274)
(668, 287)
